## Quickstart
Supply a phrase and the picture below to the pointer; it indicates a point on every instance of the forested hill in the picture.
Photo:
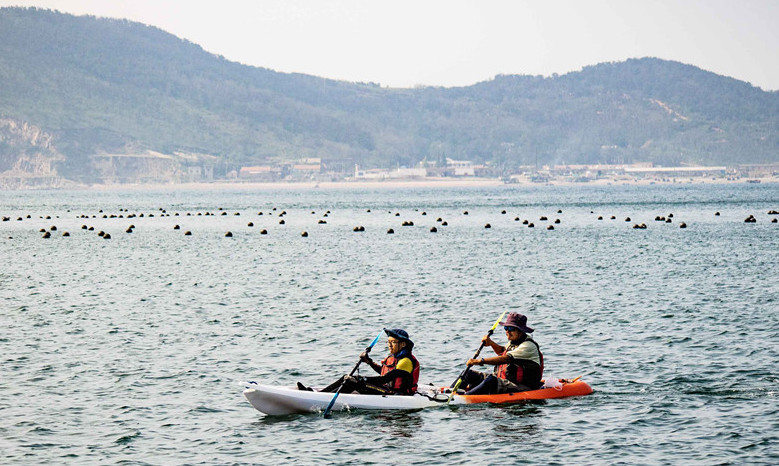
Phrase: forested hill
(89, 86)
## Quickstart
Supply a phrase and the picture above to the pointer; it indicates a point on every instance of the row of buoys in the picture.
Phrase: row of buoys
(19, 219)
(130, 229)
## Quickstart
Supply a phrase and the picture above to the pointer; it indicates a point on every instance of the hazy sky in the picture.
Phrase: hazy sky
(403, 43)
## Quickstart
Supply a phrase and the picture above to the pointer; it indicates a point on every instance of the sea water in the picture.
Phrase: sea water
(135, 349)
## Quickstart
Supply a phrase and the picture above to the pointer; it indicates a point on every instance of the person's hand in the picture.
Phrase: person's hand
(473, 362)
(365, 358)
(486, 340)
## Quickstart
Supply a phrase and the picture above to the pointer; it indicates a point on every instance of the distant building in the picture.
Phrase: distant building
(260, 173)
(460, 167)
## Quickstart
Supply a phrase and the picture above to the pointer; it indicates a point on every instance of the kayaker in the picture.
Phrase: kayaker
(518, 366)
(399, 372)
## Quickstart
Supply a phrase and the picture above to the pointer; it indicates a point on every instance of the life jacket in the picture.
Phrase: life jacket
(522, 371)
(390, 364)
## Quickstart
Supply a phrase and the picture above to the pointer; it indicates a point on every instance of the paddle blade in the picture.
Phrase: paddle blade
(375, 340)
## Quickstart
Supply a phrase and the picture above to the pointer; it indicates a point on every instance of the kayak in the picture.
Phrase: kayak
(276, 400)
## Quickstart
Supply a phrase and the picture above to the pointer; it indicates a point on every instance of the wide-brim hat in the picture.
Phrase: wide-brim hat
(400, 334)
(515, 319)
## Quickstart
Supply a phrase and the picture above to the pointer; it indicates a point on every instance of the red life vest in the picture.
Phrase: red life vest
(390, 363)
(522, 371)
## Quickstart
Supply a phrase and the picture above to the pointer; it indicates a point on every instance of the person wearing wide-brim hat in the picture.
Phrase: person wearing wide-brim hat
(399, 371)
(518, 365)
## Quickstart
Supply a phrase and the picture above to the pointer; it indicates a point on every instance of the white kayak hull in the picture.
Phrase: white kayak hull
(276, 400)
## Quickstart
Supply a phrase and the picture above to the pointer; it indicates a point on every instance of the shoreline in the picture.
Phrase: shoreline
(428, 183)
(401, 184)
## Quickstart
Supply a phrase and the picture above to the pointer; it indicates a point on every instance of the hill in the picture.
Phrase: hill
(90, 99)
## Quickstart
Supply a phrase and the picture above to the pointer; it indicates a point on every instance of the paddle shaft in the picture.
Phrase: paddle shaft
(354, 369)
(478, 351)
(468, 368)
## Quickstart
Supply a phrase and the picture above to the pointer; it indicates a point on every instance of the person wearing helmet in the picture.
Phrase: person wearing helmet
(518, 366)
(398, 372)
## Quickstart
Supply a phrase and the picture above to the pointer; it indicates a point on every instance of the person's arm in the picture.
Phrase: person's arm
(495, 347)
(494, 361)
(374, 365)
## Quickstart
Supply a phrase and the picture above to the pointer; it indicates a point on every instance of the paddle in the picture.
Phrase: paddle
(337, 392)
(467, 368)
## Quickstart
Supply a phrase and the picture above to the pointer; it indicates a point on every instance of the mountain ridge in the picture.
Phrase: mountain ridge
(114, 86)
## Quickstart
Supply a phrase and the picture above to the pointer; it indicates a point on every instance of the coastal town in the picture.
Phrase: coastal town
(345, 170)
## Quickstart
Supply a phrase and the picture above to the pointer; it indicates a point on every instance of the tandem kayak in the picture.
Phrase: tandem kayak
(275, 400)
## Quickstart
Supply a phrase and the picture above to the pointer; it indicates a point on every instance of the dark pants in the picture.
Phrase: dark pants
(361, 386)
(479, 383)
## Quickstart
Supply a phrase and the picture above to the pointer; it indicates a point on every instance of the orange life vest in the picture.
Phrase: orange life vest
(390, 363)
(522, 371)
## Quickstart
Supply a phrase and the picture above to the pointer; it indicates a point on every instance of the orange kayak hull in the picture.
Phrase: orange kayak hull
(576, 388)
